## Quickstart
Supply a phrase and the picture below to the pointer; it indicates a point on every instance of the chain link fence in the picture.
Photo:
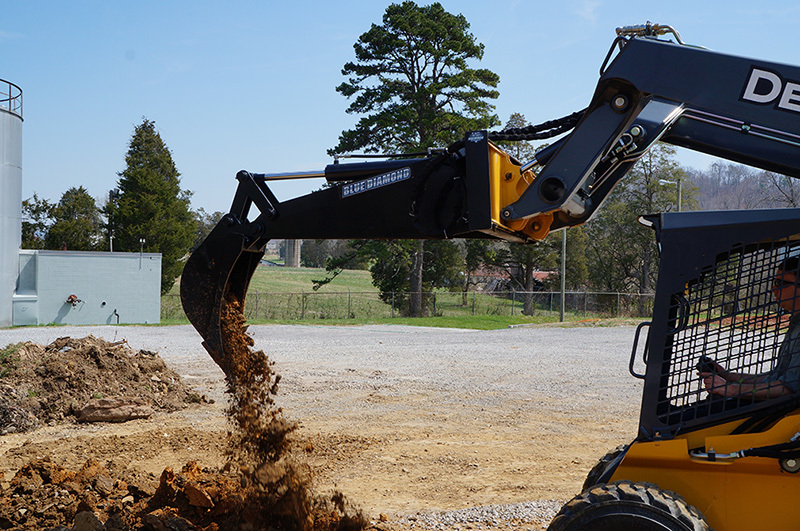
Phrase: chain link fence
(368, 305)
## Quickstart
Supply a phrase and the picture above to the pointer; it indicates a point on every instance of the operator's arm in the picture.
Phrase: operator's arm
(741, 377)
(747, 386)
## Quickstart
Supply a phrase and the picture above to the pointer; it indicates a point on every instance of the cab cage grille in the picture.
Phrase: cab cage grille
(729, 314)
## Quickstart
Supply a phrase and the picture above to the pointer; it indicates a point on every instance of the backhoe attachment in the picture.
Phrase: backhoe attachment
(217, 275)
(457, 192)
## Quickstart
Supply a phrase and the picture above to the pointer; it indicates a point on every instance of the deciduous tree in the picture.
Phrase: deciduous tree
(37, 216)
(77, 225)
(393, 266)
(205, 223)
(478, 253)
(521, 261)
(521, 150)
(622, 253)
(316, 253)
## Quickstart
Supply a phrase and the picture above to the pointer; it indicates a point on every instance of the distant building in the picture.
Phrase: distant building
(81, 288)
(496, 279)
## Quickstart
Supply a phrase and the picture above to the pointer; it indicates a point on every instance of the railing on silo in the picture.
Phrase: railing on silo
(10, 97)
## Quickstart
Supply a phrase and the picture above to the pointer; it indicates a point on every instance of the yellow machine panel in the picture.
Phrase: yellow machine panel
(734, 494)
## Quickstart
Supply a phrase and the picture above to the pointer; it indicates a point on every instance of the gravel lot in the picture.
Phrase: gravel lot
(481, 366)
(436, 428)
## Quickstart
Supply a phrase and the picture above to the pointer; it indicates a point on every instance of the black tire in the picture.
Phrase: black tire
(597, 470)
(624, 505)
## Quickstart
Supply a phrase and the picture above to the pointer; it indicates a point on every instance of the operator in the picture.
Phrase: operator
(784, 378)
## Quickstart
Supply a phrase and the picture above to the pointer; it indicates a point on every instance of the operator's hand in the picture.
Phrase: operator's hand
(719, 369)
(709, 365)
(716, 385)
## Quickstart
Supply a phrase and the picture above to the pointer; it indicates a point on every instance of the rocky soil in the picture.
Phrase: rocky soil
(79, 380)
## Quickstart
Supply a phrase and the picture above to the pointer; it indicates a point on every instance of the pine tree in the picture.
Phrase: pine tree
(414, 88)
(412, 81)
(148, 211)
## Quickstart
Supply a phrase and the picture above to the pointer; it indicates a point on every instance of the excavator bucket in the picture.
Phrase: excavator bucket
(216, 275)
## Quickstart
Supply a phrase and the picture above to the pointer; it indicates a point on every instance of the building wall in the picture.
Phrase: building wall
(109, 288)
(10, 208)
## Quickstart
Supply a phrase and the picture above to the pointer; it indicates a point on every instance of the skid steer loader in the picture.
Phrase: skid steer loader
(719, 440)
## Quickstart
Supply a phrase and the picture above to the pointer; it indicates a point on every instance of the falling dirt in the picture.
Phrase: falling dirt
(275, 483)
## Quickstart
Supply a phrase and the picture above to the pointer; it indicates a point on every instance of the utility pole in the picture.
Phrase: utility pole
(563, 272)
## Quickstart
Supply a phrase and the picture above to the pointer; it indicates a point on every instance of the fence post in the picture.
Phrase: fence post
(434, 303)
(302, 304)
(617, 313)
(585, 301)
(256, 316)
(473, 303)
(392, 304)
(513, 300)
(349, 312)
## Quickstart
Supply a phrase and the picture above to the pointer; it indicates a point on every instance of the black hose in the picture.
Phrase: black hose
(787, 450)
(540, 131)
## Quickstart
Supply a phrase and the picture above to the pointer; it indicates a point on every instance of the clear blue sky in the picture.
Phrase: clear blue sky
(250, 85)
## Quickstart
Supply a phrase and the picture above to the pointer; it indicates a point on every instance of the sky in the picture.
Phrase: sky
(251, 85)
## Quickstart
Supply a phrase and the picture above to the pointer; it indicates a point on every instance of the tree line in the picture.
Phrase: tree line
(413, 86)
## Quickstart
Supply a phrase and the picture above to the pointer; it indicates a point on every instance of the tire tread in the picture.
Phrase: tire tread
(643, 493)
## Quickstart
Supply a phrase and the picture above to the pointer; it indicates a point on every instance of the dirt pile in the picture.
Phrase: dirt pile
(53, 383)
(43, 495)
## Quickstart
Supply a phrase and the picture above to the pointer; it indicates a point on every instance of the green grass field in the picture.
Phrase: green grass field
(286, 295)
(273, 279)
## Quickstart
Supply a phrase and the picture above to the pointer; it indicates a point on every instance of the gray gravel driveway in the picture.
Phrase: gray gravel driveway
(589, 363)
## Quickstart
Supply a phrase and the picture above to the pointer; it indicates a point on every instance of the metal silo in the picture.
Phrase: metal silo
(10, 194)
